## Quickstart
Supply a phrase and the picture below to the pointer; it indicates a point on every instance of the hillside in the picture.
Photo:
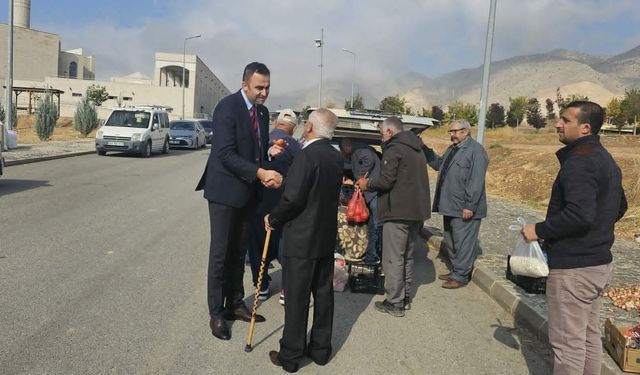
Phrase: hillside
(598, 77)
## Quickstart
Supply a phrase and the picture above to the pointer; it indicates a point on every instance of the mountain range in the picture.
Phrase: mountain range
(599, 78)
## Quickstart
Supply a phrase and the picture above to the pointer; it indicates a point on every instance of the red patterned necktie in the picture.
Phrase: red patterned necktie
(256, 129)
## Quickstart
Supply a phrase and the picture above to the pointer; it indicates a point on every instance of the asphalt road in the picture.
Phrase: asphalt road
(103, 271)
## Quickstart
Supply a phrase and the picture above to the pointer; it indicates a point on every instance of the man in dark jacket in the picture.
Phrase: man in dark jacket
(461, 199)
(403, 205)
(232, 182)
(365, 163)
(308, 211)
(586, 201)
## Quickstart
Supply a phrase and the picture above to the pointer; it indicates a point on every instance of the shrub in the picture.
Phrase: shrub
(46, 117)
(86, 118)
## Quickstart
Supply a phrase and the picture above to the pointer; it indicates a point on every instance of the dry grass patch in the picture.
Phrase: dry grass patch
(523, 166)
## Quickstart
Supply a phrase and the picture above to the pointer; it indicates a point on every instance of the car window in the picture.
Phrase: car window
(207, 124)
(165, 117)
(130, 119)
(182, 125)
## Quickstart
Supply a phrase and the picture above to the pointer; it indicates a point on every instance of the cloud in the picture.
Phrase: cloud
(431, 37)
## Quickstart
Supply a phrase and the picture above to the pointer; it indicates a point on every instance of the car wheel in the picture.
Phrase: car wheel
(204, 144)
(147, 150)
(102, 153)
(165, 146)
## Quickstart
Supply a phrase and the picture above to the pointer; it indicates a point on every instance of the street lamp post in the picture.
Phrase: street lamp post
(320, 44)
(353, 76)
(184, 54)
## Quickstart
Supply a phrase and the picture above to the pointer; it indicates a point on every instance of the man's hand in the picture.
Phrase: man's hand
(466, 214)
(529, 232)
(363, 183)
(347, 181)
(267, 225)
(276, 149)
(269, 178)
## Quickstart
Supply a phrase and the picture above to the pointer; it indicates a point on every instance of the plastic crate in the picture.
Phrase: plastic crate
(366, 279)
(532, 285)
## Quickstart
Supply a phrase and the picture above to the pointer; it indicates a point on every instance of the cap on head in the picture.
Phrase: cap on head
(288, 116)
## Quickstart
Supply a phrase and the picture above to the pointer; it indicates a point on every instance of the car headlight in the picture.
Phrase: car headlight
(135, 137)
(99, 134)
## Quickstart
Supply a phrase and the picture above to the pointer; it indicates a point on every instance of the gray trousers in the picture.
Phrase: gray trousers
(399, 239)
(573, 297)
(461, 240)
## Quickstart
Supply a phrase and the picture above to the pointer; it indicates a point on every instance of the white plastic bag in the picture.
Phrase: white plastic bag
(340, 274)
(527, 259)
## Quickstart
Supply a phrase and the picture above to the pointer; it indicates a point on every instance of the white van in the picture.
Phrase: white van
(140, 129)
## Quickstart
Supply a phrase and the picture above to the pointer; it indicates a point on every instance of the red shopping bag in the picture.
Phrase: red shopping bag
(357, 211)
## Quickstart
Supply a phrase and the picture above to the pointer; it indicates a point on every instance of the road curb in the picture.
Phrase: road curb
(10, 163)
(506, 295)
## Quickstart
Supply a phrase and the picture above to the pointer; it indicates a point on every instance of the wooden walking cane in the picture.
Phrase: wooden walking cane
(248, 347)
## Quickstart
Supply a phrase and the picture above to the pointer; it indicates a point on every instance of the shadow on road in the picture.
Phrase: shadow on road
(10, 186)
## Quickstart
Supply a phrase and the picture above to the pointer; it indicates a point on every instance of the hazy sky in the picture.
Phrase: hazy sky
(389, 38)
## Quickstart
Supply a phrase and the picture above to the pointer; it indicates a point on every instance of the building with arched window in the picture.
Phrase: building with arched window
(39, 63)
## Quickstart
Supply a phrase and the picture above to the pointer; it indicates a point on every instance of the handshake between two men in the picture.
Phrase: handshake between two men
(270, 178)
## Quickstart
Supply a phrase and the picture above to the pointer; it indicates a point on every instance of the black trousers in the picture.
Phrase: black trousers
(303, 278)
(256, 236)
(226, 257)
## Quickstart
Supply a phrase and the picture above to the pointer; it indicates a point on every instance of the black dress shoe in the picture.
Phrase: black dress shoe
(273, 356)
(220, 329)
(242, 313)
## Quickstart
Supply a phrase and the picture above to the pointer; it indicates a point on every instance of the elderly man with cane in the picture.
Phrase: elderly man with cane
(308, 212)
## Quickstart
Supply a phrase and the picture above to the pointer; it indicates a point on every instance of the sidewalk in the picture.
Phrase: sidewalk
(496, 240)
(48, 151)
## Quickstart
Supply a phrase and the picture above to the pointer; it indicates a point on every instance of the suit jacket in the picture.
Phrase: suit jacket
(308, 209)
(463, 184)
(230, 175)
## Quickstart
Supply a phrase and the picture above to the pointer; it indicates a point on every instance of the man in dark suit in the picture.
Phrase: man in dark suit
(232, 183)
(308, 211)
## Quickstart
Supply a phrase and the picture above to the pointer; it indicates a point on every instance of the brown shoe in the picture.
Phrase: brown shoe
(453, 284)
(444, 276)
(220, 329)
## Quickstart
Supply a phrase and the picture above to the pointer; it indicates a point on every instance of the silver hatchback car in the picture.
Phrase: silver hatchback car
(187, 133)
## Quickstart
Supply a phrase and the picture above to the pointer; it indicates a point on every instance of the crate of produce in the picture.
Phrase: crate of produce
(366, 278)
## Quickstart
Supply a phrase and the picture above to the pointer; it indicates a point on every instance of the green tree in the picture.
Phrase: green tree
(517, 110)
(563, 102)
(462, 111)
(97, 94)
(85, 118)
(394, 104)
(358, 102)
(551, 114)
(425, 113)
(614, 113)
(534, 115)
(630, 105)
(46, 117)
(495, 115)
(304, 112)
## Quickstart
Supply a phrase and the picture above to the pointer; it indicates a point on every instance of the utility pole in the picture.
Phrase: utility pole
(485, 75)
(320, 44)
(9, 93)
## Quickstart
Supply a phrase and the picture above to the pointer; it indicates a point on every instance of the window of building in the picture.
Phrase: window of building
(76, 94)
(73, 70)
(127, 98)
